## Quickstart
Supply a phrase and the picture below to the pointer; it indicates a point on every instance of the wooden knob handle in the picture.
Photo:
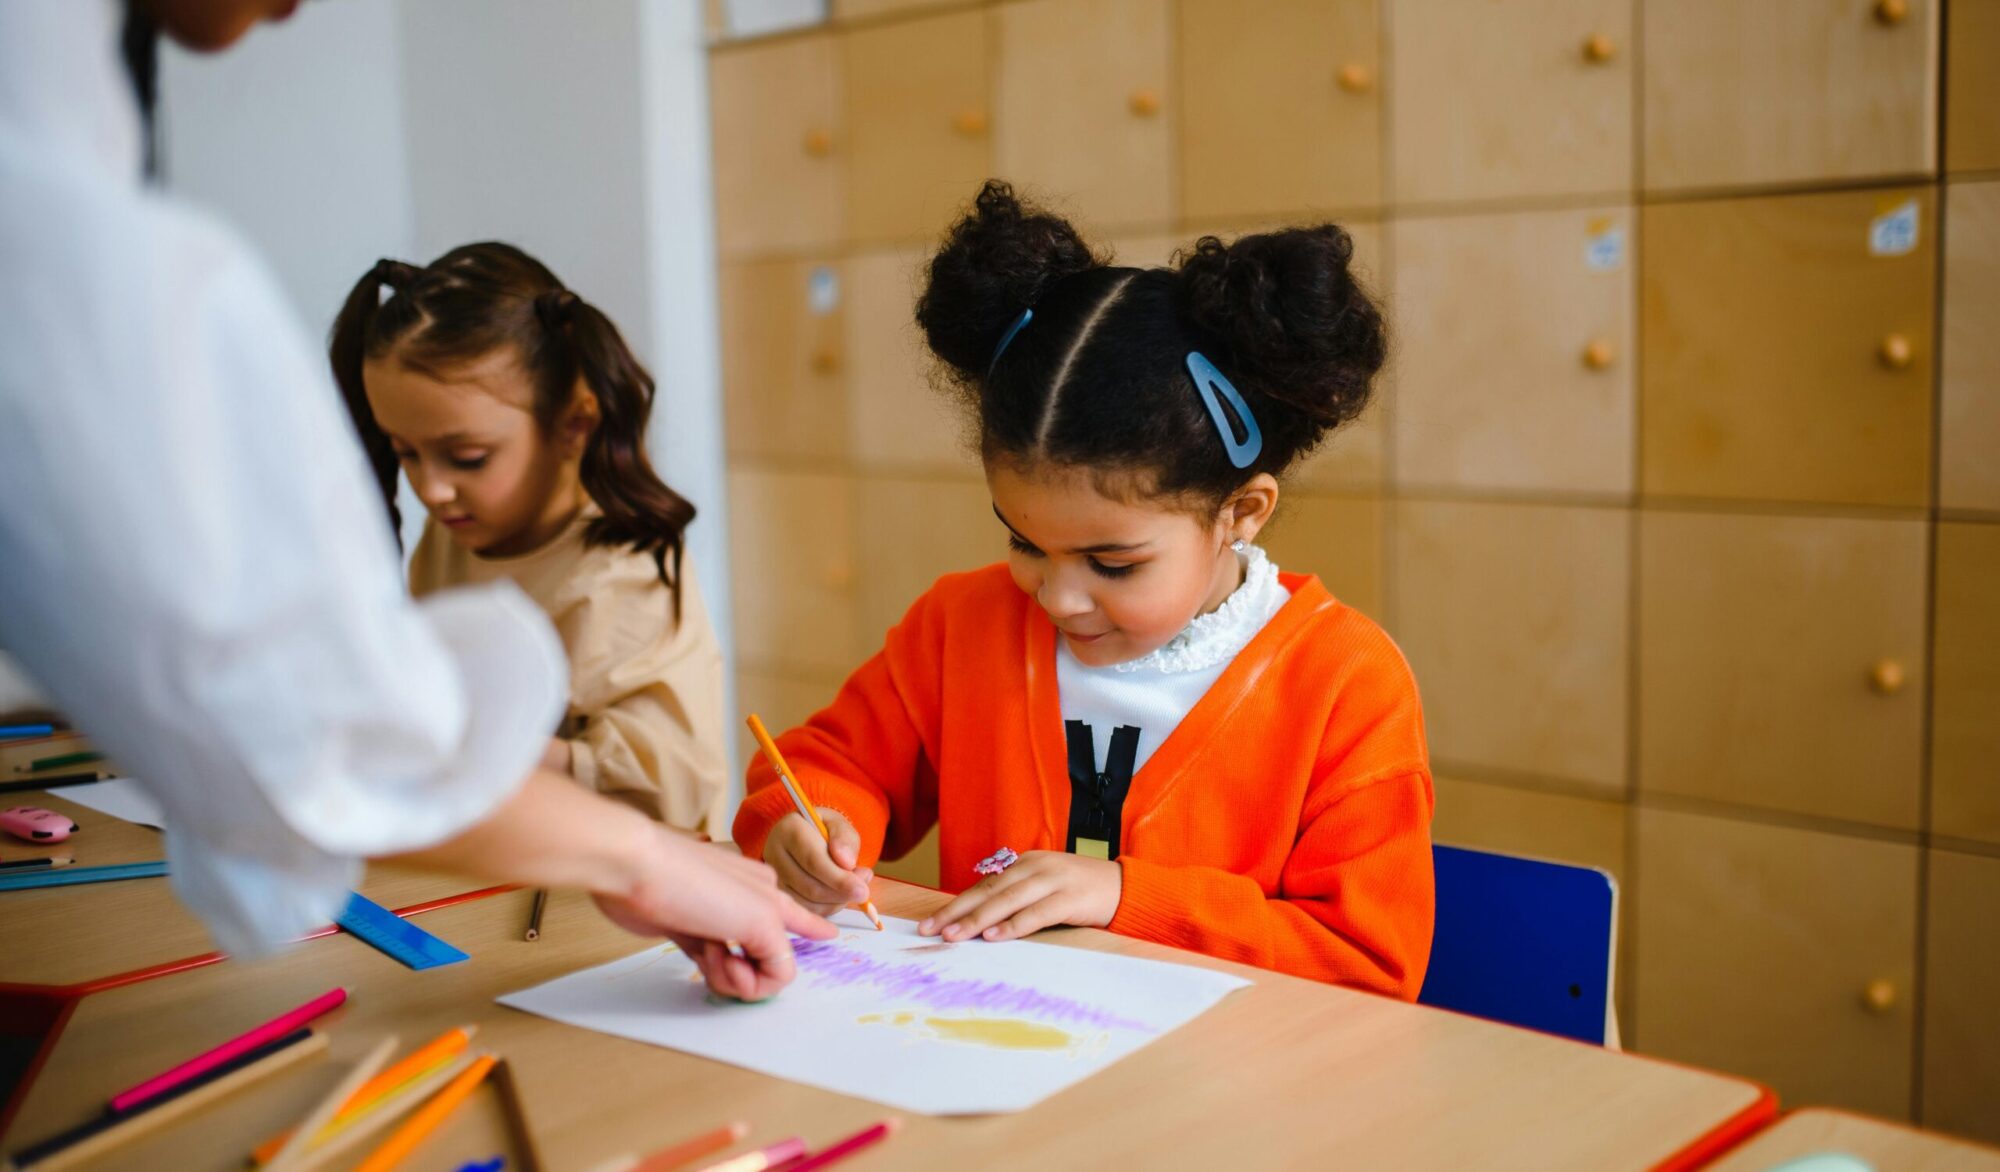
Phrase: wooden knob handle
(1355, 78)
(1896, 352)
(1879, 995)
(970, 123)
(818, 142)
(1886, 677)
(1599, 354)
(1891, 11)
(1144, 103)
(826, 360)
(1598, 48)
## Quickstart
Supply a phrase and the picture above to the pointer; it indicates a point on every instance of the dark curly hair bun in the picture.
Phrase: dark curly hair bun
(995, 262)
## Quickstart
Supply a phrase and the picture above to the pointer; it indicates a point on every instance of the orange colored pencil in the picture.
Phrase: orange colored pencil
(678, 1155)
(405, 1139)
(421, 1060)
(798, 796)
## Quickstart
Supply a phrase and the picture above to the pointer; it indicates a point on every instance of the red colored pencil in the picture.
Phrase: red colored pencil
(847, 1147)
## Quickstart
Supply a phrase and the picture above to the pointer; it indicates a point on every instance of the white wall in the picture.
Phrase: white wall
(577, 130)
(296, 135)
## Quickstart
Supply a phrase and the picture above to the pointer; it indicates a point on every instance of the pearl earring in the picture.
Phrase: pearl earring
(1237, 545)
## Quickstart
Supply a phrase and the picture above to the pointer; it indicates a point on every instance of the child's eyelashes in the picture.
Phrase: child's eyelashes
(1101, 569)
(468, 463)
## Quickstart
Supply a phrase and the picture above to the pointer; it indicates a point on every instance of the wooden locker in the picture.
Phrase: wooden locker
(1781, 663)
(783, 360)
(1972, 86)
(780, 155)
(1965, 711)
(1515, 367)
(793, 577)
(1084, 114)
(1514, 618)
(912, 532)
(1788, 91)
(1961, 1017)
(1281, 107)
(1528, 98)
(1969, 427)
(918, 108)
(1338, 538)
(898, 419)
(1782, 954)
(1788, 347)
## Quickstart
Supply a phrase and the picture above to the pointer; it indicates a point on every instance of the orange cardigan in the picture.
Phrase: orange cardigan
(1285, 823)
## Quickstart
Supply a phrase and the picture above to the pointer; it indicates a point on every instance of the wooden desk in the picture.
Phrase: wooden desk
(1890, 1147)
(1285, 1073)
(68, 940)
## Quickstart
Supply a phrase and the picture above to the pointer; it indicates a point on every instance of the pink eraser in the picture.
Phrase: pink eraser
(36, 824)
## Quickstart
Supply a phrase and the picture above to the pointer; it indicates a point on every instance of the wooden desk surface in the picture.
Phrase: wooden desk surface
(65, 936)
(1285, 1073)
(1890, 1147)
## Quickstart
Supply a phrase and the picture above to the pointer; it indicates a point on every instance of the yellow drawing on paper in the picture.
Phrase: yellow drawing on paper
(1001, 1033)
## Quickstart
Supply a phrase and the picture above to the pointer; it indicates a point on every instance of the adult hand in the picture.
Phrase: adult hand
(725, 911)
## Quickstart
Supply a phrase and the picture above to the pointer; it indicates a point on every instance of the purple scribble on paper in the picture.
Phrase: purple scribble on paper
(904, 982)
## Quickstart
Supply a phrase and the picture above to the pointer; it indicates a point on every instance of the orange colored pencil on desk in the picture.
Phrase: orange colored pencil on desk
(798, 795)
(406, 1138)
(422, 1060)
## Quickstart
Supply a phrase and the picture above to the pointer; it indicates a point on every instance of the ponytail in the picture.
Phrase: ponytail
(348, 349)
(638, 508)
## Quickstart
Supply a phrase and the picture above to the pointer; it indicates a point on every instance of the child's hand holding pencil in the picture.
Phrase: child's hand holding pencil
(814, 850)
(819, 872)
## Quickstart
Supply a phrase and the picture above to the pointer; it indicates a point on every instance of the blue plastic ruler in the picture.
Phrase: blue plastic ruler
(70, 876)
(397, 937)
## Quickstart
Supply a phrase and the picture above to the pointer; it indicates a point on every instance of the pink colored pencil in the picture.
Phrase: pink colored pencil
(846, 1147)
(271, 1030)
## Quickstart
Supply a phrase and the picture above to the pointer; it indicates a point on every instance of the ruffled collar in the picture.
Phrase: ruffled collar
(1215, 638)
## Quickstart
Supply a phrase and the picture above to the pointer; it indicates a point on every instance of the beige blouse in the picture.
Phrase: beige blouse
(645, 710)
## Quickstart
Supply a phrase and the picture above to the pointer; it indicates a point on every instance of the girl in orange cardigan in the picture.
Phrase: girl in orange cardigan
(1137, 722)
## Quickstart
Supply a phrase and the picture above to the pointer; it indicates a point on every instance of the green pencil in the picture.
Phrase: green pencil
(59, 761)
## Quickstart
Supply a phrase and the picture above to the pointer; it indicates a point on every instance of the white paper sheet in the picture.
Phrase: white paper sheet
(956, 1029)
(120, 797)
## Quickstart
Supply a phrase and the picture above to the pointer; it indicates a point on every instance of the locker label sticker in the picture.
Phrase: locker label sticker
(1603, 246)
(1893, 231)
(823, 291)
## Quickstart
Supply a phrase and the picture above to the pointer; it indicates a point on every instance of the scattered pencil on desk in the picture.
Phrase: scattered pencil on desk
(431, 1056)
(277, 1027)
(372, 1119)
(798, 796)
(763, 1159)
(73, 876)
(59, 761)
(35, 864)
(114, 1129)
(669, 1158)
(867, 1137)
(289, 1156)
(405, 1139)
(534, 931)
(58, 781)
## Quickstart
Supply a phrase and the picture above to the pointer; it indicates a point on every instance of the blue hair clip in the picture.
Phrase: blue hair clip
(1007, 339)
(1211, 384)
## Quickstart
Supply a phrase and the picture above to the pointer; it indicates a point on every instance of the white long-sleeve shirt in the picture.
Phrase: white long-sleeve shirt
(194, 563)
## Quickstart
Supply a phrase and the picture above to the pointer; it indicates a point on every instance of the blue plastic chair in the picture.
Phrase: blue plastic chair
(1523, 941)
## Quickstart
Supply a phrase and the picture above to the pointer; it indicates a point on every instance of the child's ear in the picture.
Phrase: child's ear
(579, 420)
(1250, 507)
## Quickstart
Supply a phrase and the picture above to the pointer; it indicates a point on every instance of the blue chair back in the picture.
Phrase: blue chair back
(1523, 941)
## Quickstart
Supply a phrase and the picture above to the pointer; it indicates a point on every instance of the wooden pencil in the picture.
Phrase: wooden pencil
(798, 796)
(289, 1156)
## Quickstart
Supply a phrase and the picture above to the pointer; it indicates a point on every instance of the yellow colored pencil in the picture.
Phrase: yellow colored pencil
(798, 796)
(405, 1139)
(288, 1154)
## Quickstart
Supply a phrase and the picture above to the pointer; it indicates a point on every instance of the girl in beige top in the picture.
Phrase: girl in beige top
(518, 414)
